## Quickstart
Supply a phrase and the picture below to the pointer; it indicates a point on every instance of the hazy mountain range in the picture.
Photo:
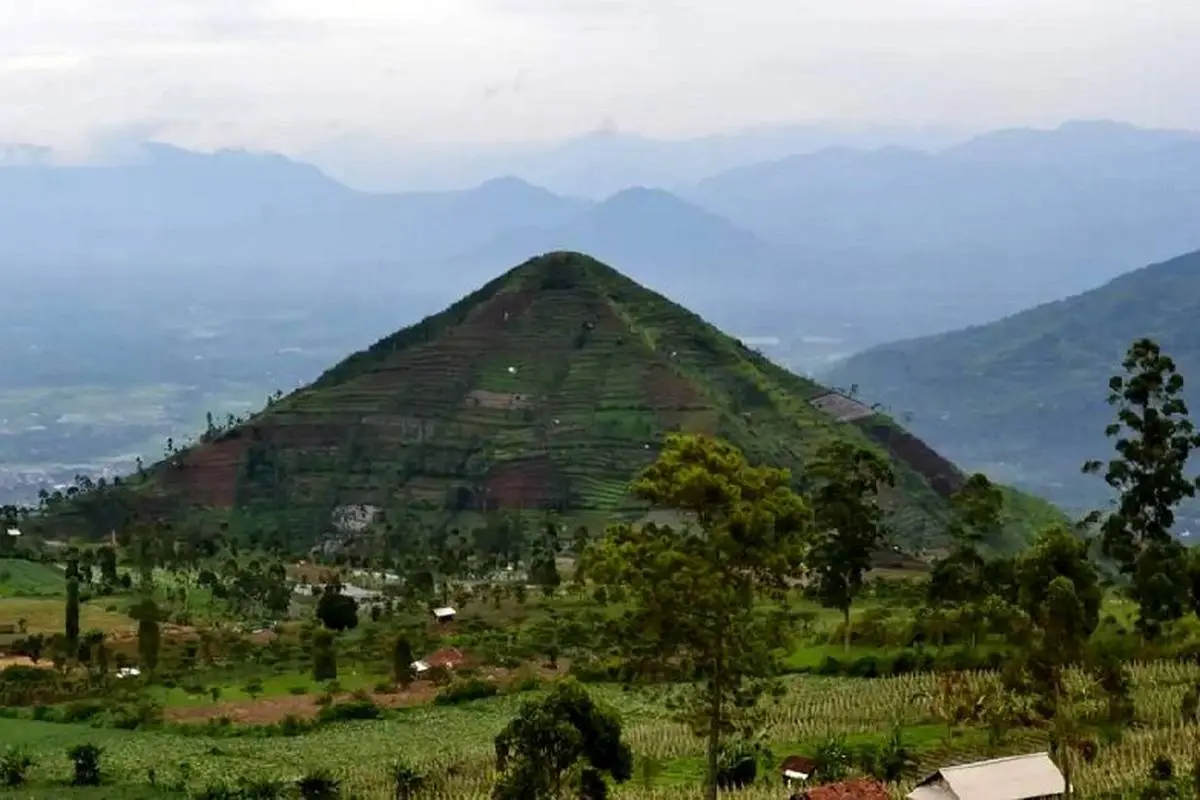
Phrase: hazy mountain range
(600, 163)
(840, 239)
(229, 274)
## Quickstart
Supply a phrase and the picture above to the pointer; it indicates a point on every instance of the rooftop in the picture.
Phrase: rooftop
(1011, 778)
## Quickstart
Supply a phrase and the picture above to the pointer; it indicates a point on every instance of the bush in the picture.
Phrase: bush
(86, 760)
(291, 725)
(130, 716)
(44, 713)
(244, 790)
(319, 785)
(464, 691)
(81, 711)
(354, 709)
(863, 667)
(298, 690)
(406, 780)
(903, 663)
(14, 764)
(737, 767)
(525, 683)
(831, 666)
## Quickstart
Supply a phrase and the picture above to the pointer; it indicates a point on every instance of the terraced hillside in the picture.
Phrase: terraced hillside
(547, 389)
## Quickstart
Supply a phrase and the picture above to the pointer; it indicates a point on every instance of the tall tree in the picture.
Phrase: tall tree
(402, 661)
(696, 591)
(108, 565)
(71, 621)
(543, 564)
(850, 524)
(963, 578)
(1154, 438)
(324, 656)
(337, 611)
(978, 507)
(147, 614)
(1060, 596)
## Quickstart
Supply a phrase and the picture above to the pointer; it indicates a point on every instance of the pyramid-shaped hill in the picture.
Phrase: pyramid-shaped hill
(548, 388)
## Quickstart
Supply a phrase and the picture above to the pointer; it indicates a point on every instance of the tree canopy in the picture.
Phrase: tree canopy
(696, 592)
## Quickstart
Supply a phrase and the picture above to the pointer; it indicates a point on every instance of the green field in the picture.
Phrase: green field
(21, 578)
(45, 615)
(456, 742)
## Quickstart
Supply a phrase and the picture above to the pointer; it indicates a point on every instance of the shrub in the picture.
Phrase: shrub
(319, 785)
(864, 667)
(464, 691)
(737, 766)
(81, 711)
(244, 790)
(44, 713)
(298, 690)
(14, 764)
(525, 683)
(406, 780)
(86, 760)
(129, 716)
(830, 666)
(354, 709)
(291, 725)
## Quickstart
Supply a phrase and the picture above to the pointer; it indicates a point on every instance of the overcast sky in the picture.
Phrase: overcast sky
(289, 74)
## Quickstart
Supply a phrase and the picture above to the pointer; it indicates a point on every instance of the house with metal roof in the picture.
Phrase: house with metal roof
(1029, 777)
(797, 769)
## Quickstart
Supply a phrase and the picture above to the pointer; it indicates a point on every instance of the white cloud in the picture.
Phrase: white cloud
(288, 73)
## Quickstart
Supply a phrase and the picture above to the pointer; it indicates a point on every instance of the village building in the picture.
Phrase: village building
(797, 770)
(444, 614)
(1028, 777)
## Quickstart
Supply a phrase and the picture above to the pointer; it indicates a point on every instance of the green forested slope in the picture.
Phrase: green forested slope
(548, 389)
(1024, 397)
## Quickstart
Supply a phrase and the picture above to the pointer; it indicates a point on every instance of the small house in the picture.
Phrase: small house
(797, 769)
(1028, 777)
(444, 614)
(14, 531)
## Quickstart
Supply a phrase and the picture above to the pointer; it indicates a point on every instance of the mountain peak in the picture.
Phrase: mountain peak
(549, 388)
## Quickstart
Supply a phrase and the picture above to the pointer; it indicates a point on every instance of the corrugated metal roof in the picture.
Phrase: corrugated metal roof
(932, 791)
(1012, 778)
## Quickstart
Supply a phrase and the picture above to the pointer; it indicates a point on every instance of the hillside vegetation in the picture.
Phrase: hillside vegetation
(1023, 398)
(546, 390)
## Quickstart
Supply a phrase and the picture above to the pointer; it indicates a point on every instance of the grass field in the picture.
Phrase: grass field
(45, 615)
(669, 758)
(21, 578)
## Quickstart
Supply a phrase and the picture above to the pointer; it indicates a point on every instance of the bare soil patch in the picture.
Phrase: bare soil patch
(530, 483)
(482, 398)
(208, 475)
(665, 389)
(271, 710)
(942, 476)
